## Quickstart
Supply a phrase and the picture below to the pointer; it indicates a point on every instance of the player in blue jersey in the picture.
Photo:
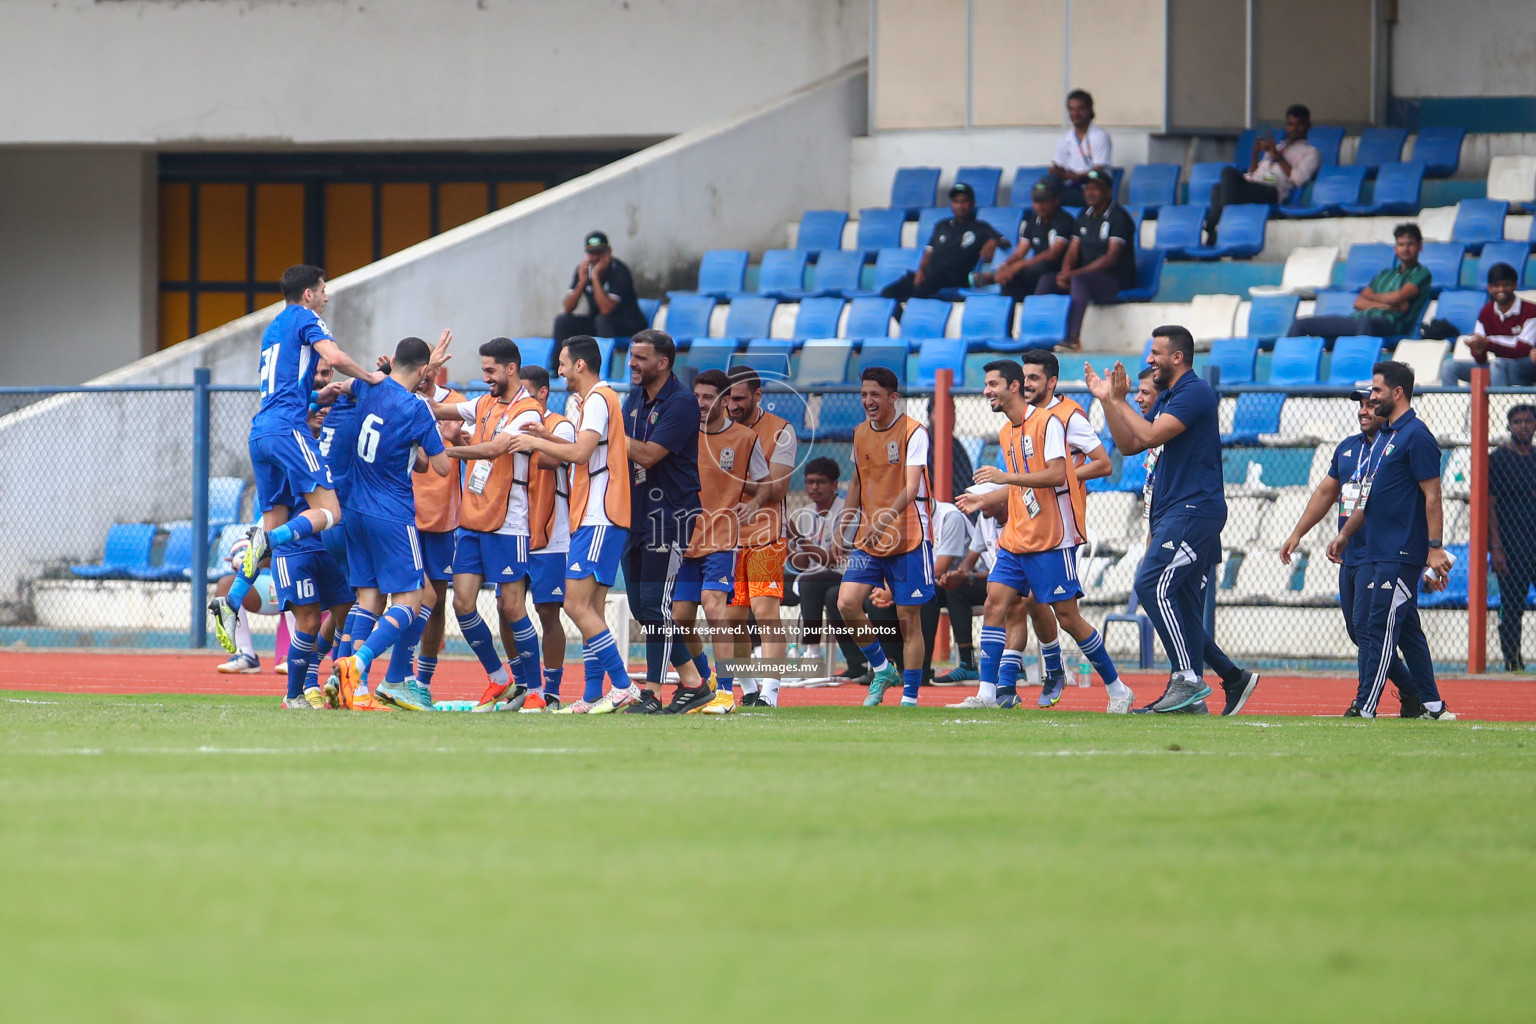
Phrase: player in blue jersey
(284, 455)
(384, 557)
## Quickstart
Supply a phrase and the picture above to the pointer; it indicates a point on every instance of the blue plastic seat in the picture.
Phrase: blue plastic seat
(1353, 357)
(1042, 323)
(711, 354)
(605, 350)
(1334, 302)
(785, 402)
(1364, 262)
(225, 494)
(721, 272)
(1024, 178)
(1326, 139)
(838, 272)
(838, 415)
(1179, 229)
(941, 354)
(1333, 188)
(818, 317)
(648, 308)
(1005, 219)
(1443, 261)
(1479, 221)
(1513, 253)
(782, 273)
(1398, 190)
(750, 316)
(823, 361)
(1461, 308)
(879, 229)
(927, 220)
(175, 560)
(1242, 151)
(770, 357)
(1296, 361)
(1149, 275)
(688, 316)
(1257, 413)
(127, 548)
(1457, 590)
(923, 319)
(1235, 358)
(983, 181)
(1380, 146)
(1153, 186)
(890, 353)
(821, 230)
(869, 316)
(984, 322)
(914, 189)
(890, 266)
(536, 351)
(1438, 148)
(1202, 178)
(1239, 233)
(1271, 316)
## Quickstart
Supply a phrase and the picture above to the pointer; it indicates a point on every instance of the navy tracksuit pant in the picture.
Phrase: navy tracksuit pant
(1386, 620)
(1171, 584)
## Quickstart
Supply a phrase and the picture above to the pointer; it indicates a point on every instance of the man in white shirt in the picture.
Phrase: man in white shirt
(1084, 147)
(1279, 168)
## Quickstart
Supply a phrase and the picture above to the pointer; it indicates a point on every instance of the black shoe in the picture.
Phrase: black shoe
(1411, 708)
(1443, 715)
(648, 704)
(754, 700)
(1354, 711)
(687, 698)
(1239, 691)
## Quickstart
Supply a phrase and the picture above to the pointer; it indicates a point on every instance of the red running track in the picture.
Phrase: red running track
(120, 672)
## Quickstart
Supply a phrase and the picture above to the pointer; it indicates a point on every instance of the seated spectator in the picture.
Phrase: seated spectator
(1392, 304)
(1278, 169)
(1506, 327)
(613, 310)
(1101, 259)
(957, 244)
(817, 579)
(1043, 241)
(1084, 147)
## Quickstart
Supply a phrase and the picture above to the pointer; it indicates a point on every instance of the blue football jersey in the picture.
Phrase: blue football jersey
(391, 423)
(338, 443)
(288, 370)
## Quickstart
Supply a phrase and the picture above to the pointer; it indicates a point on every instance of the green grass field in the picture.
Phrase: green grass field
(214, 859)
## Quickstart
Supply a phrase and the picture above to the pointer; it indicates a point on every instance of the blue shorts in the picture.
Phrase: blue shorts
(707, 572)
(1048, 576)
(546, 575)
(909, 576)
(383, 555)
(596, 551)
(309, 577)
(287, 467)
(437, 553)
(494, 557)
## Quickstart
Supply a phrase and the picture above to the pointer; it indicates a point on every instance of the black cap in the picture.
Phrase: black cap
(596, 240)
(1097, 175)
(960, 188)
(1362, 390)
(1045, 188)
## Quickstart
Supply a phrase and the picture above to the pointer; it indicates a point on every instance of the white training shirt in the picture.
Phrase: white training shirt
(560, 529)
(594, 417)
(954, 534)
(984, 542)
(1081, 440)
(1081, 155)
(516, 521)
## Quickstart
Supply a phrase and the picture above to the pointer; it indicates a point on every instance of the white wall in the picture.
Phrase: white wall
(1487, 48)
(342, 72)
(77, 262)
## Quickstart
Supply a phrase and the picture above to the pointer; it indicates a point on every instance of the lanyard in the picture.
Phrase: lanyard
(1084, 150)
(640, 416)
(1373, 465)
(1363, 460)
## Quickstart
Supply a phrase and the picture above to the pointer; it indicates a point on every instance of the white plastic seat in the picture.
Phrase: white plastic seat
(1109, 519)
(1306, 270)
(1512, 178)
(1423, 356)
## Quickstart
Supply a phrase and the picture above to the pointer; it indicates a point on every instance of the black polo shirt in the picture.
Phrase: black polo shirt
(1042, 234)
(1094, 232)
(954, 248)
(1512, 480)
(618, 283)
(665, 502)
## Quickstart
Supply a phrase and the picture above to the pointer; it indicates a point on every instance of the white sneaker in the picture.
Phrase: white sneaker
(1121, 705)
(974, 701)
(613, 700)
(298, 704)
(243, 664)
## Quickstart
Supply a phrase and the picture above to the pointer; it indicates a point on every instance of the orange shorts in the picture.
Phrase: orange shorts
(760, 572)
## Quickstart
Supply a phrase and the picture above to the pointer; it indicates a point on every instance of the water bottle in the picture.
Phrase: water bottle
(1083, 671)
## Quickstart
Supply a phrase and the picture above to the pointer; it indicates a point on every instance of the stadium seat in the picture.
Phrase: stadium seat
(1042, 323)
(870, 317)
(914, 189)
(1461, 308)
(818, 317)
(983, 182)
(1380, 146)
(1240, 233)
(175, 560)
(890, 266)
(927, 220)
(688, 316)
(1326, 139)
(1457, 588)
(781, 275)
(1242, 150)
(722, 272)
(750, 316)
(710, 354)
(823, 361)
(1307, 269)
(1512, 179)
(1149, 275)
(770, 357)
(1024, 179)
(837, 416)
(1257, 414)
(1438, 148)
(1334, 302)
(1364, 262)
(879, 229)
(1513, 253)
(1153, 186)
(1271, 316)
(1179, 229)
(648, 308)
(1202, 178)
(785, 402)
(940, 354)
(887, 352)
(605, 349)
(1423, 357)
(1479, 221)
(984, 322)
(1353, 357)
(225, 494)
(537, 351)
(127, 548)
(838, 271)
(1005, 219)
(1235, 358)
(1332, 189)
(924, 318)
(1443, 261)
(821, 230)
(1397, 191)
(1296, 361)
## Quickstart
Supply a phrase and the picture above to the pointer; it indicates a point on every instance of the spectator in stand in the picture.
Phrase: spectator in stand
(1084, 147)
(1278, 169)
(613, 310)
(1506, 327)
(1043, 241)
(957, 244)
(1101, 258)
(1392, 304)
(1512, 528)
(810, 530)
